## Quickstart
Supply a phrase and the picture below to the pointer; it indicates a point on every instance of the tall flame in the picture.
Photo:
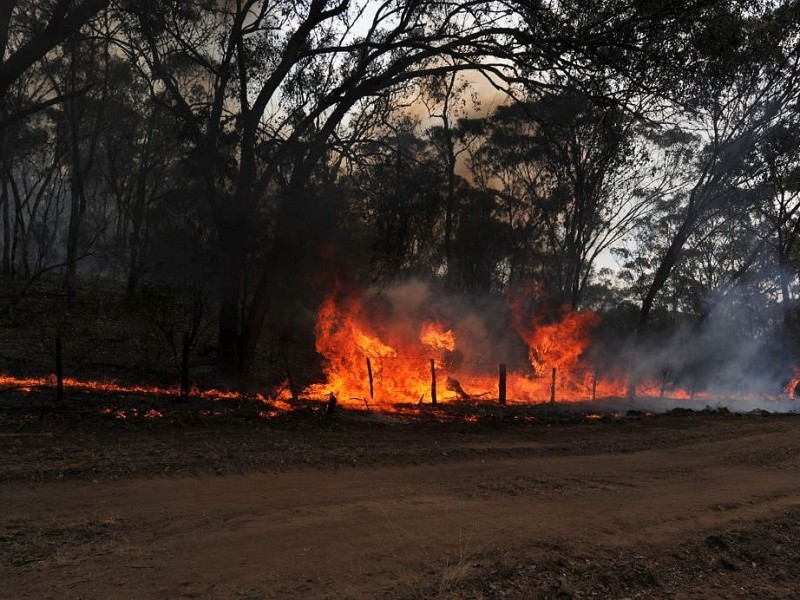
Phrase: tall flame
(397, 356)
(559, 344)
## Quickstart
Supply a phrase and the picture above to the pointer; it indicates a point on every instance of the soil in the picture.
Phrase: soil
(454, 503)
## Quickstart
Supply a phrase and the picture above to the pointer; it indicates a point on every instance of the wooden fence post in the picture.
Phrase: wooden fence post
(501, 372)
(433, 381)
(59, 370)
(185, 366)
(553, 388)
(369, 373)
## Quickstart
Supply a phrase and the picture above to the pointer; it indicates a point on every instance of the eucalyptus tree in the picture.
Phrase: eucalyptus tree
(777, 164)
(752, 92)
(262, 88)
(572, 177)
(29, 31)
(748, 87)
(448, 98)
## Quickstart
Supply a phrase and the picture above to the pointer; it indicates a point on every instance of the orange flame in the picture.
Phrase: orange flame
(27, 384)
(560, 344)
(353, 343)
(434, 334)
(792, 388)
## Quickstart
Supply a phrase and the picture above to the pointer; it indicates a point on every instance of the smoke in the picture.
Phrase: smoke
(735, 358)
(483, 326)
(739, 356)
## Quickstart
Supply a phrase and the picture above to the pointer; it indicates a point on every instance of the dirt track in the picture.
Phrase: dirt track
(519, 517)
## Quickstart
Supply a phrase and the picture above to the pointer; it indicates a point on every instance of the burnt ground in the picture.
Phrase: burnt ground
(238, 500)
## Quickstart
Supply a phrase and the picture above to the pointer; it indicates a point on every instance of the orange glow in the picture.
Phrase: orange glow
(560, 344)
(434, 334)
(400, 354)
(792, 389)
(27, 384)
(379, 356)
(353, 339)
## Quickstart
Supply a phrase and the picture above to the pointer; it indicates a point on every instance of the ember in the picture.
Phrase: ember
(28, 384)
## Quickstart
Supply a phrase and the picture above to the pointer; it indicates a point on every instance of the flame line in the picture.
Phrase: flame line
(111, 386)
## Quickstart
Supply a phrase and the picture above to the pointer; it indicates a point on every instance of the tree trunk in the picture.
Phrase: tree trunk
(281, 269)
(449, 206)
(77, 208)
(4, 201)
(786, 306)
(668, 262)
(77, 198)
(135, 266)
(233, 251)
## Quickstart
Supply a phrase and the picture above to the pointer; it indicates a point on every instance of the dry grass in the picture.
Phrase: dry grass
(25, 543)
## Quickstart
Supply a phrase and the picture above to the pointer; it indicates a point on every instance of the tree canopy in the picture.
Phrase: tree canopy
(607, 154)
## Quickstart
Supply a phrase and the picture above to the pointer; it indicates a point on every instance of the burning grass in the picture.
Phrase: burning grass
(93, 434)
(377, 352)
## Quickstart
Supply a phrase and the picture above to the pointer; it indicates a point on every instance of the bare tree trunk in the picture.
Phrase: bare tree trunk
(135, 241)
(4, 201)
(19, 235)
(77, 210)
(449, 204)
(786, 306)
(668, 262)
(234, 256)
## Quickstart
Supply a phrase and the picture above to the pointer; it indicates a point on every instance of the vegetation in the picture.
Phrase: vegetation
(233, 161)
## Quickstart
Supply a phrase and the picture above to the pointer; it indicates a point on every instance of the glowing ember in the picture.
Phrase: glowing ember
(28, 384)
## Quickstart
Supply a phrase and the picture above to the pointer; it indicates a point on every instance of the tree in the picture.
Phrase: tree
(31, 29)
(267, 86)
(753, 68)
(575, 178)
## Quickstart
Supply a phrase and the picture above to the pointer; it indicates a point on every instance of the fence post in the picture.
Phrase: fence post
(433, 382)
(185, 366)
(369, 373)
(501, 372)
(553, 388)
(59, 370)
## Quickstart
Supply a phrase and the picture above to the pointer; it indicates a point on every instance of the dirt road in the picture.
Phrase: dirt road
(518, 517)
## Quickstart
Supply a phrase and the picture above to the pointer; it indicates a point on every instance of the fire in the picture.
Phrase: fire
(559, 344)
(792, 388)
(27, 384)
(434, 334)
(379, 359)
(379, 355)
(353, 350)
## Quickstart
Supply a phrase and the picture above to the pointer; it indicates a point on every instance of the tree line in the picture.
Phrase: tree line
(634, 157)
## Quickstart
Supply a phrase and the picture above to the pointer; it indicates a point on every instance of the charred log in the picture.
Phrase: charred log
(453, 385)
